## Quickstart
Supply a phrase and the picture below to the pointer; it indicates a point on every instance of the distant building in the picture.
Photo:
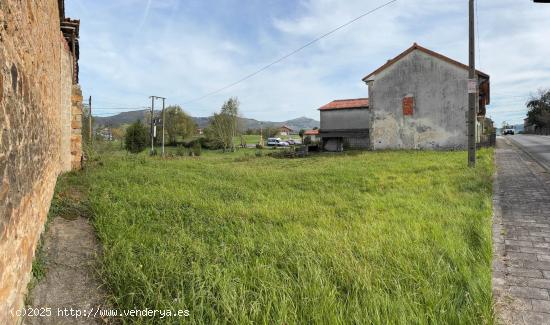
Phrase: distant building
(285, 130)
(312, 134)
(417, 100)
(105, 133)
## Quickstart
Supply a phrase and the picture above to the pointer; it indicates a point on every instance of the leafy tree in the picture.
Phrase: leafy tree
(271, 131)
(301, 134)
(178, 123)
(224, 126)
(136, 138)
(539, 109)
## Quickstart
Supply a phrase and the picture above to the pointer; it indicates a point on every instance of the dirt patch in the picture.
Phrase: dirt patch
(70, 255)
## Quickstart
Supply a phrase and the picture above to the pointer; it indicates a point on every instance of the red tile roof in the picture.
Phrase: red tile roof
(346, 104)
(311, 132)
(425, 50)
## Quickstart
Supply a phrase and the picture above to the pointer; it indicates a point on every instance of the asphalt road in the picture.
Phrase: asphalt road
(538, 146)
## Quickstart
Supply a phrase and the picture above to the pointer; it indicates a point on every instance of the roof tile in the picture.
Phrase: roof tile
(346, 104)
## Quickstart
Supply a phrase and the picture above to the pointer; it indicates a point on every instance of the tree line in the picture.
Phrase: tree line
(538, 113)
(223, 127)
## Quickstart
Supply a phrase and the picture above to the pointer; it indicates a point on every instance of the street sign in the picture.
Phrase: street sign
(472, 86)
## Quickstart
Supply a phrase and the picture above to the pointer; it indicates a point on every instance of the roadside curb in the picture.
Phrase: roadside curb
(498, 263)
(535, 159)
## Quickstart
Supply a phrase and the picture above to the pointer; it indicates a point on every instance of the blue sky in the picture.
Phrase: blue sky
(181, 50)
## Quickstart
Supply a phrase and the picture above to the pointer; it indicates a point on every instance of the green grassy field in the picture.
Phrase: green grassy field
(375, 237)
(249, 138)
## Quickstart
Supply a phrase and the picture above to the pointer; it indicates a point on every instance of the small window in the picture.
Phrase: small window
(408, 105)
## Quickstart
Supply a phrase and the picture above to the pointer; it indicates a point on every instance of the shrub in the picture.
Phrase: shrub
(180, 150)
(90, 154)
(243, 142)
(204, 143)
(136, 137)
(259, 146)
(196, 149)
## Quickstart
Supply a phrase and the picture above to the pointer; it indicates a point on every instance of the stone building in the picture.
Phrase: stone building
(40, 121)
(418, 100)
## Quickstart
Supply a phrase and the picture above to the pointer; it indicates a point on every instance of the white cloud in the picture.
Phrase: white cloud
(182, 52)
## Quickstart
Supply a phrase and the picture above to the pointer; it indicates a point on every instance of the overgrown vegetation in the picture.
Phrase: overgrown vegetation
(376, 237)
(136, 137)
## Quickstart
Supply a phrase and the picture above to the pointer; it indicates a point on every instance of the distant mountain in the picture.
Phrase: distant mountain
(121, 118)
(202, 122)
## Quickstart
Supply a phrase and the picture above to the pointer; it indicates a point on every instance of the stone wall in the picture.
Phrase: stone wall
(76, 127)
(40, 117)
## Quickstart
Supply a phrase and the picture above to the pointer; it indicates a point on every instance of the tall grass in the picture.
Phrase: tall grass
(377, 237)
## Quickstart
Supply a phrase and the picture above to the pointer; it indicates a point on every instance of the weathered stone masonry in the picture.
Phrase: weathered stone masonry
(40, 121)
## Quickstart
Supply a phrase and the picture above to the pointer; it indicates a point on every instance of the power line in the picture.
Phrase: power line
(290, 54)
(121, 108)
(478, 38)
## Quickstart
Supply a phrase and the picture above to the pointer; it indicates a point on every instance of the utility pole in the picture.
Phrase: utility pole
(472, 91)
(261, 134)
(163, 99)
(152, 117)
(152, 130)
(90, 120)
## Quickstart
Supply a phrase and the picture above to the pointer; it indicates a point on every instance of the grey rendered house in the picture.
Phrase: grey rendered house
(345, 124)
(418, 100)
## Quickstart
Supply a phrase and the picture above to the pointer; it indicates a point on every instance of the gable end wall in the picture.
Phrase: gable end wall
(440, 104)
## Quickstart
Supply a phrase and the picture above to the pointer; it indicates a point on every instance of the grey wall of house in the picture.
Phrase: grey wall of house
(440, 94)
(345, 119)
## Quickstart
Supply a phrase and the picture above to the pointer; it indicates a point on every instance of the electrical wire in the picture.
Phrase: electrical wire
(120, 108)
(478, 37)
(289, 54)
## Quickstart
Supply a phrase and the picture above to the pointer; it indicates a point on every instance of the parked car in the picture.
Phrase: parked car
(508, 131)
(276, 142)
(291, 142)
